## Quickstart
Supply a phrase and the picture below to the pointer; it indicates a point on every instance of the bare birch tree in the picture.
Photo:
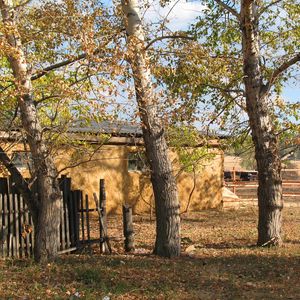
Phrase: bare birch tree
(167, 242)
(47, 201)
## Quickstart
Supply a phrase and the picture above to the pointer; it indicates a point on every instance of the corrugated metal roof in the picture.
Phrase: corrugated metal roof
(116, 128)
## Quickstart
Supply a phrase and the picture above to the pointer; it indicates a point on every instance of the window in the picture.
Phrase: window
(137, 162)
(22, 159)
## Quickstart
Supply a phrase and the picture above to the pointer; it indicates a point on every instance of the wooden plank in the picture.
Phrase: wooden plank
(76, 202)
(87, 210)
(103, 240)
(17, 227)
(128, 228)
(1, 226)
(103, 220)
(20, 216)
(62, 227)
(66, 220)
(3, 186)
(31, 235)
(11, 224)
(26, 229)
(71, 218)
(82, 220)
(99, 216)
(5, 225)
(14, 220)
(67, 250)
(88, 222)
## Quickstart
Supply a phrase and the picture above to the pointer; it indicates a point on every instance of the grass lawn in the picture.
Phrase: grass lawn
(224, 264)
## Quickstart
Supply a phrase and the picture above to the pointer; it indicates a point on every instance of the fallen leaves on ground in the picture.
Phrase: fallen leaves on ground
(224, 264)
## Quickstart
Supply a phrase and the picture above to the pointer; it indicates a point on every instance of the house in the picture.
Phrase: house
(114, 151)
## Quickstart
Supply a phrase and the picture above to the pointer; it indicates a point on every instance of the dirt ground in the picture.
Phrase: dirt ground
(219, 261)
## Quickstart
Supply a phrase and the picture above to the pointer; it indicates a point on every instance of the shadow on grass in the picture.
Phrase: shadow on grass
(263, 275)
(224, 245)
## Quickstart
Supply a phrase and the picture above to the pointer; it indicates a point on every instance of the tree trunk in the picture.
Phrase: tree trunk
(48, 194)
(163, 181)
(263, 133)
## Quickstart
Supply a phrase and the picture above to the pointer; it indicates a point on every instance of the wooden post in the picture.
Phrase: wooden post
(15, 225)
(61, 238)
(3, 186)
(20, 217)
(25, 229)
(234, 180)
(103, 224)
(67, 220)
(128, 228)
(82, 221)
(72, 218)
(76, 202)
(1, 225)
(88, 222)
(5, 225)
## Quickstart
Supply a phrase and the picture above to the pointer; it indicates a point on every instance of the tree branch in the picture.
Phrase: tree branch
(59, 65)
(178, 36)
(228, 8)
(19, 180)
(282, 68)
(43, 72)
(263, 9)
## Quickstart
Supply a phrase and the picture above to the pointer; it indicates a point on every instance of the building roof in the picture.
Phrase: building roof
(116, 128)
(120, 132)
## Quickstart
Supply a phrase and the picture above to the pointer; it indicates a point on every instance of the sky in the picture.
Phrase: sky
(181, 14)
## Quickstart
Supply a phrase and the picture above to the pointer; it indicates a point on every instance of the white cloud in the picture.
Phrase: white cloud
(180, 14)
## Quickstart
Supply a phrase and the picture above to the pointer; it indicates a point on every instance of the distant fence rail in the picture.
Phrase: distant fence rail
(247, 192)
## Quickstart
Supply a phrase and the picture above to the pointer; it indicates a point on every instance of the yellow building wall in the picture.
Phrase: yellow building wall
(133, 187)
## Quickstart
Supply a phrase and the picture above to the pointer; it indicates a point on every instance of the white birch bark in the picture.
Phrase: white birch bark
(164, 185)
(48, 200)
(263, 134)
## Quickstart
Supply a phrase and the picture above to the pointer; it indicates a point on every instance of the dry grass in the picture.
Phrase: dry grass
(224, 265)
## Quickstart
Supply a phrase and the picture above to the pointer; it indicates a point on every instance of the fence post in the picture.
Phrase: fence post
(128, 228)
(88, 222)
(234, 180)
(77, 200)
(103, 224)
(3, 186)
(2, 237)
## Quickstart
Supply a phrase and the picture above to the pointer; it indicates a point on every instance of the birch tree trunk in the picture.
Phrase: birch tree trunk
(48, 199)
(270, 200)
(163, 181)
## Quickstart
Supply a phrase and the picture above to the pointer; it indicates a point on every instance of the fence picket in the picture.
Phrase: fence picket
(88, 221)
(13, 225)
(17, 225)
(72, 219)
(5, 226)
(1, 225)
(66, 220)
(62, 227)
(82, 220)
(21, 248)
(26, 229)
(31, 237)
(9, 223)
(76, 202)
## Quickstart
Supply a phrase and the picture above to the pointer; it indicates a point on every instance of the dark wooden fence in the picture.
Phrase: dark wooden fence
(16, 226)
